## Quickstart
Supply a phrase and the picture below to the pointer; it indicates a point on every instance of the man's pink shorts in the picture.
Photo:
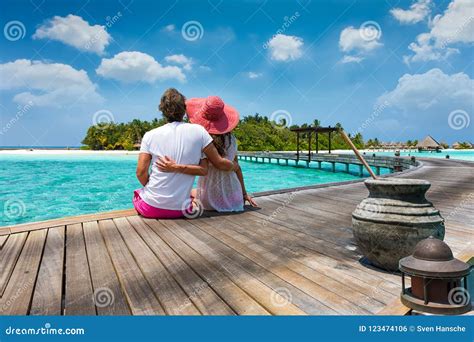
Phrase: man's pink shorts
(149, 211)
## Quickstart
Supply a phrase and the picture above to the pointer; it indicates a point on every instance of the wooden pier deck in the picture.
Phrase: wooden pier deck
(294, 256)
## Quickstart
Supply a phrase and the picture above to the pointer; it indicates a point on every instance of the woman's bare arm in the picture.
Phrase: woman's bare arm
(143, 165)
(166, 164)
(240, 176)
(215, 158)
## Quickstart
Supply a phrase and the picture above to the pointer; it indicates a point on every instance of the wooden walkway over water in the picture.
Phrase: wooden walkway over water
(294, 256)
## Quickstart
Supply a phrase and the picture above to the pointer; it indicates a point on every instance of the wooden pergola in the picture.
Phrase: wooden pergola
(309, 131)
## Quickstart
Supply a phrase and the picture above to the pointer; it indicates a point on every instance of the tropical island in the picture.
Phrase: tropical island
(254, 133)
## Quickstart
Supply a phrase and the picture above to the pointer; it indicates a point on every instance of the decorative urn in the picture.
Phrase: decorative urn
(389, 223)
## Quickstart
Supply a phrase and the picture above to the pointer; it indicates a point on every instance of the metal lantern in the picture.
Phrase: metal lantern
(438, 280)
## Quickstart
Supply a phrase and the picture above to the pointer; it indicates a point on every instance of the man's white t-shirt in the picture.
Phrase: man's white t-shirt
(182, 142)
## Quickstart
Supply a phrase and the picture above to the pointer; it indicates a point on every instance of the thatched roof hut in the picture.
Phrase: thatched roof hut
(429, 143)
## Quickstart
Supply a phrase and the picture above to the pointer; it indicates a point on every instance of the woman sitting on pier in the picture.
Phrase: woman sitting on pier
(219, 190)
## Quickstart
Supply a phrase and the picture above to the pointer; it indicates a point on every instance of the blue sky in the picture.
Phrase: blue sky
(395, 70)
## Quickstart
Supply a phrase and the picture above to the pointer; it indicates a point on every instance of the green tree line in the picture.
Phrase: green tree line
(254, 133)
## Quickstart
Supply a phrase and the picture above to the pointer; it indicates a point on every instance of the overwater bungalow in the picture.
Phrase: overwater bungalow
(429, 144)
(457, 145)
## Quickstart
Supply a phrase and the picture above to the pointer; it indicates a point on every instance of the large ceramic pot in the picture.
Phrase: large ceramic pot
(393, 219)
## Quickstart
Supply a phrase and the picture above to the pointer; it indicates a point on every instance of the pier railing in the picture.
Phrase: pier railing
(394, 164)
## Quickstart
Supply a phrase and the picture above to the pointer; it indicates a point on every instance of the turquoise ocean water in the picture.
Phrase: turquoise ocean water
(453, 154)
(41, 187)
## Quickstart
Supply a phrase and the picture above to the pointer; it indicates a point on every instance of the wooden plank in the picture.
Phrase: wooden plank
(197, 290)
(361, 294)
(233, 295)
(139, 294)
(17, 296)
(309, 240)
(171, 296)
(79, 296)
(48, 290)
(396, 308)
(8, 258)
(331, 292)
(328, 298)
(26, 227)
(109, 298)
(3, 239)
(282, 292)
(271, 300)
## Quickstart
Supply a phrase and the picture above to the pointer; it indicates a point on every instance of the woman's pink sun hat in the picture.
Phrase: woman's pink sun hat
(213, 114)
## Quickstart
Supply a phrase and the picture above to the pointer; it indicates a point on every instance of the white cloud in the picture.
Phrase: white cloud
(418, 11)
(169, 28)
(285, 48)
(180, 59)
(358, 40)
(48, 84)
(134, 66)
(253, 75)
(431, 96)
(351, 59)
(425, 50)
(455, 26)
(75, 31)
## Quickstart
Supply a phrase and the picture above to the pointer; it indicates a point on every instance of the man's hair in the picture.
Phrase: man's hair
(173, 105)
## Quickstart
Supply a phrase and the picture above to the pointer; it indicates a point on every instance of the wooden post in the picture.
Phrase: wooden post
(347, 167)
(357, 153)
(319, 164)
(361, 170)
(333, 166)
(297, 146)
(377, 170)
(329, 141)
(309, 146)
